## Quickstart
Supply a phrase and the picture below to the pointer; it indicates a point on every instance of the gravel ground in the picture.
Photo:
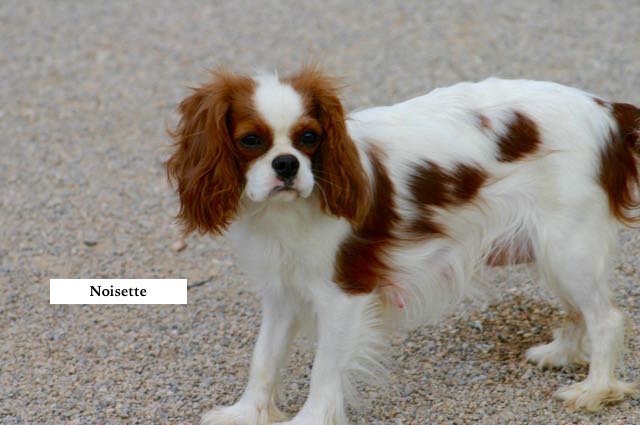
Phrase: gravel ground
(87, 90)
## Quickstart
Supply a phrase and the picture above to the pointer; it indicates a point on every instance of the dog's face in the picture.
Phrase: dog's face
(285, 136)
(266, 140)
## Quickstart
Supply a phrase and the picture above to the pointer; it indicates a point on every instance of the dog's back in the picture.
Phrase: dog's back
(514, 167)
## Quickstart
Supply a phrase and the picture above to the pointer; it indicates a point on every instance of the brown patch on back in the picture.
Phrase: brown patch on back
(522, 138)
(467, 181)
(618, 163)
(361, 265)
(432, 186)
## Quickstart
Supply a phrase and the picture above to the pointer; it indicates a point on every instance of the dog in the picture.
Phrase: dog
(352, 227)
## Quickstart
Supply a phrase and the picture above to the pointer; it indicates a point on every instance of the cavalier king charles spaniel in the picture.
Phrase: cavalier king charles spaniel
(354, 226)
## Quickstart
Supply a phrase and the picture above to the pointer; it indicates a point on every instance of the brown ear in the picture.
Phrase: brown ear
(336, 163)
(208, 176)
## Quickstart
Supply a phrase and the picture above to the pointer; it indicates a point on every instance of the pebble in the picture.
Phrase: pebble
(90, 238)
(627, 268)
(123, 412)
(179, 245)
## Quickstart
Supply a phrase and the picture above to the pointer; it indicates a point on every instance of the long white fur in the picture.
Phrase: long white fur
(552, 198)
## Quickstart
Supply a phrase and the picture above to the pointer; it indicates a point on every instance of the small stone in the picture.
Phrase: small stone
(476, 324)
(179, 245)
(123, 412)
(407, 390)
(627, 268)
(90, 238)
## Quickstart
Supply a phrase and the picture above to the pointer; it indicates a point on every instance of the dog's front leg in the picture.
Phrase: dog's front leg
(257, 405)
(350, 338)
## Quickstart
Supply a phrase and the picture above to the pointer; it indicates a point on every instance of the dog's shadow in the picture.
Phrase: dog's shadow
(496, 338)
(508, 328)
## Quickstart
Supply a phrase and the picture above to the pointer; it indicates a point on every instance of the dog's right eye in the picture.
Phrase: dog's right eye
(251, 141)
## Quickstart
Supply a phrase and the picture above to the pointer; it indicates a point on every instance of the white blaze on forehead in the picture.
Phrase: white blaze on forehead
(278, 104)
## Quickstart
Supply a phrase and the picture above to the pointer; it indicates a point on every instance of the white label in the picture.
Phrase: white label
(118, 291)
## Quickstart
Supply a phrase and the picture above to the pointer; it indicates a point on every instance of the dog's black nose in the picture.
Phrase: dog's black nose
(285, 166)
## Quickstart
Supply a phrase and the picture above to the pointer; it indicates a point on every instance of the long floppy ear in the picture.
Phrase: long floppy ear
(336, 163)
(208, 176)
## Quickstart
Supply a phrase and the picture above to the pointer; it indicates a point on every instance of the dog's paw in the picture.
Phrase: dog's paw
(238, 414)
(555, 355)
(591, 397)
(242, 413)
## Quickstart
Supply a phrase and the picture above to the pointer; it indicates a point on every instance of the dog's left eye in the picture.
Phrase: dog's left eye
(252, 141)
(308, 138)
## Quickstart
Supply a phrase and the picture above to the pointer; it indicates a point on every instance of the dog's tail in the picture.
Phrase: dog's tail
(619, 164)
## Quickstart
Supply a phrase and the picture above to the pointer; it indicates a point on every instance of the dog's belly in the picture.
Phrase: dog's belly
(520, 253)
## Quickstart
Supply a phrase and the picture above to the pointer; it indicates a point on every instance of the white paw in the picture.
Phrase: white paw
(242, 413)
(588, 396)
(555, 354)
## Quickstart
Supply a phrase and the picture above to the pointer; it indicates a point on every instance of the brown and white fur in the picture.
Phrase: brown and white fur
(358, 225)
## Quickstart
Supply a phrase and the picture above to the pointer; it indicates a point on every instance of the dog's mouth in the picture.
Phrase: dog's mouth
(283, 189)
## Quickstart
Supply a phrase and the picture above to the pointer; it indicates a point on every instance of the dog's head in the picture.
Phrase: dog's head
(267, 140)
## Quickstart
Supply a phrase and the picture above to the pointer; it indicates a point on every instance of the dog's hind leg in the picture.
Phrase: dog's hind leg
(576, 257)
